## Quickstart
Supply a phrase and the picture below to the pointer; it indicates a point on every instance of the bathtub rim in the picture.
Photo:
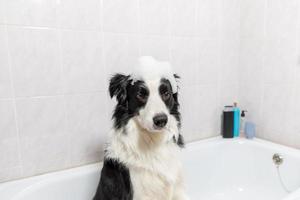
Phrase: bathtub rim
(278, 148)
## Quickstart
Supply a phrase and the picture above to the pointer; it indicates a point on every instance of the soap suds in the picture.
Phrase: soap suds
(148, 68)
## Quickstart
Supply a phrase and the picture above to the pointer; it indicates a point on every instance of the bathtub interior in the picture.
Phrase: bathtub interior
(75, 184)
(240, 170)
(215, 170)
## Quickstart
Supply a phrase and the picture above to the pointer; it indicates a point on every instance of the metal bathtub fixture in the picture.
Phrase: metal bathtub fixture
(215, 169)
(277, 159)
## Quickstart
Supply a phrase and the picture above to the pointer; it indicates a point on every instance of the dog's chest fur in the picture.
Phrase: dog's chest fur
(154, 168)
(155, 180)
(150, 186)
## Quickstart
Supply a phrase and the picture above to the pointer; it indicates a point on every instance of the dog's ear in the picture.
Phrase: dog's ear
(177, 78)
(118, 87)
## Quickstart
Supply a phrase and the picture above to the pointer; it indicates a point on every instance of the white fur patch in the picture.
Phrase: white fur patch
(154, 165)
(148, 68)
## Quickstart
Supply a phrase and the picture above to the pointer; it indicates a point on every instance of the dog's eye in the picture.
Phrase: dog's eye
(142, 95)
(166, 96)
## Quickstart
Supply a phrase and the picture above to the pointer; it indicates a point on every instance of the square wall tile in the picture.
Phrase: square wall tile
(227, 95)
(293, 111)
(83, 66)
(298, 24)
(9, 142)
(2, 12)
(281, 19)
(35, 61)
(8, 126)
(155, 17)
(88, 124)
(5, 82)
(32, 12)
(184, 59)
(41, 116)
(280, 60)
(250, 96)
(252, 18)
(230, 61)
(259, 132)
(78, 14)
(10, 173)
(296, 108)
(88, 113)
(274, 106)
(120, 16)
(297, 74)
(89, 149)
(208, 54)
(231, 19)
(50, 153)
(209, 14)
(9, 153)
(200, 115)
(183, 17)
(121, 53)
(297, 69)
(251, 59)
(279, 137)
(296, 143)
(156, 46)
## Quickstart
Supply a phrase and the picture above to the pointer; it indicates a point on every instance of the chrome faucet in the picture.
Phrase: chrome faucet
(277, 159)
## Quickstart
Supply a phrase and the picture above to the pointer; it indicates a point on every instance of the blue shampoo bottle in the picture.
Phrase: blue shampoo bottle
(236, 120)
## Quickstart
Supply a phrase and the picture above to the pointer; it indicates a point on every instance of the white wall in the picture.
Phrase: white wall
(56, 58)
(270, 68)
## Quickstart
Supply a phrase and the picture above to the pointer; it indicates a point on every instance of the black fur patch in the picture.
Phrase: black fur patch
(171, 103)
(173, 106)
(180, 141)
(115, 183)
(126, 94)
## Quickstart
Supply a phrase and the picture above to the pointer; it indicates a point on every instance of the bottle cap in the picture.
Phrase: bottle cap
(243, 113)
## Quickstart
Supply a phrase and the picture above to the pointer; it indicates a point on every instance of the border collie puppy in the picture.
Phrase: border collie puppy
(141, 158)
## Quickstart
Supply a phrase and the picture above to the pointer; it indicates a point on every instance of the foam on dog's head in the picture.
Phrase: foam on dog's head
(148, 68)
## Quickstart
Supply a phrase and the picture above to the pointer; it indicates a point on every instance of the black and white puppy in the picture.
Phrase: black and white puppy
(141, 158)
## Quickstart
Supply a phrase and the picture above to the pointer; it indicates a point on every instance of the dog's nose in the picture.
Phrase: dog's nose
(160, 120)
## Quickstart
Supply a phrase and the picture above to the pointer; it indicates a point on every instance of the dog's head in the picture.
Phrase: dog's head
(149, 96)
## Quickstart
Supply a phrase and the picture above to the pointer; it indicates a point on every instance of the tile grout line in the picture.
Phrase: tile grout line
(294, 81)
(139, 33)
(108, 32)
(169, 35)
(262, 84)
(220, 46)
(56, 95)
(238, 59)
(103, 46)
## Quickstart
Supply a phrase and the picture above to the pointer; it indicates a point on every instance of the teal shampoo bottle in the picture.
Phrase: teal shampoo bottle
(236, 120)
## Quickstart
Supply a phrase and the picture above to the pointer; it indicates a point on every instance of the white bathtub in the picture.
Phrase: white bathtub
(216, 169)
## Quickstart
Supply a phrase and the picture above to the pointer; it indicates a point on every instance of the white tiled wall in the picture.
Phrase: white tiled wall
(269, 68)
(56, 58)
